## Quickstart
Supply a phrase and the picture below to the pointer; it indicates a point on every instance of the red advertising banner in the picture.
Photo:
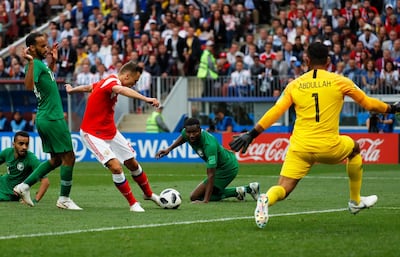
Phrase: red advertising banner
(272, 148)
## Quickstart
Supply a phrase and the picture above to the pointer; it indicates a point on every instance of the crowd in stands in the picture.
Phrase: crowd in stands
(264, 41)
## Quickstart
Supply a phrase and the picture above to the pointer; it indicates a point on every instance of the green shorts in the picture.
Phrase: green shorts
(223, 178)
(55, 136)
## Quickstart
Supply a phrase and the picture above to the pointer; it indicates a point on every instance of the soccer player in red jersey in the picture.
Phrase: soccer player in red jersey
(101, 136)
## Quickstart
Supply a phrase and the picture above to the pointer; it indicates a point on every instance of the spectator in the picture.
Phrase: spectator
(93, 55)
(15, 70)
(270, 85)
(389, 43)
(368, 38)
(352, 71)
(12, 54)
(143, 86)
(208, 70)
(67, 31)
(4, 122)
(389, 79)
(155, 122)
(395, 53)
(218, 26)
(279, 64)
(249, 57)
(223, 122)
(376, 52)
(370, 78)
(79, 16)
(240, 83)
(357, 52)
(191, 53)
(85, 77)
(387, 123)
(230, 24)
(5, 23)
(3, 71)
(381, 62)
(256, 71)
(67, 58)
(18, 123)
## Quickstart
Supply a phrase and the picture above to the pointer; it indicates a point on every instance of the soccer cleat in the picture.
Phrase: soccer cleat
(22, 190)
(255, 190)
(365, 202)
(241, 193)
(136, 207)
(155, 198)
(261, 211)
(66, 203)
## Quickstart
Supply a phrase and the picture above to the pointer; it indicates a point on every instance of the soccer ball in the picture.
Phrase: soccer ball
(170, 199)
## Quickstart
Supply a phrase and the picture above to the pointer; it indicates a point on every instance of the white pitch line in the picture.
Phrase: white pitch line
(160, 224)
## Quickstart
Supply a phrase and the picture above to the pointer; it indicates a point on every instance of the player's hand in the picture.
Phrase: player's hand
(54, 52)
(395, 108)
(68, 88)
(26, 54)
(241, 142)
(162, 153)
(154, 102)
(197, 202)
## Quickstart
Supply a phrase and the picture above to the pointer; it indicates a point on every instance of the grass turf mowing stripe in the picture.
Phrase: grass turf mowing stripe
(161, 224)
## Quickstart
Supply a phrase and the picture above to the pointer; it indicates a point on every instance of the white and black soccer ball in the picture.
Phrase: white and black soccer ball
(170, 199)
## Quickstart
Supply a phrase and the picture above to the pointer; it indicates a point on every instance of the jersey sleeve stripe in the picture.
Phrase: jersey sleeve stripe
(109, 81)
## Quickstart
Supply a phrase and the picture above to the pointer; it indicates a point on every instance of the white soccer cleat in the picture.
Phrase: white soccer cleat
(22, 190)
(365, 202)
(241, 193)
(255, 190)
(155, 198)
(66, 203)
(136, 207)
(261, 211)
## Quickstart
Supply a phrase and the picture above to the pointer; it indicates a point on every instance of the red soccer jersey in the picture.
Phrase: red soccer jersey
(98, 119)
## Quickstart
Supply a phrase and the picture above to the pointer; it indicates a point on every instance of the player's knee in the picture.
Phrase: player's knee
(114, 166)
(137, 171)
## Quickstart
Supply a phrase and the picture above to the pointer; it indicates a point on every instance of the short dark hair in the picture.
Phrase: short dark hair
(318, 53)
(20, 134)
(130, 67)
(31, 38)
(191, 122)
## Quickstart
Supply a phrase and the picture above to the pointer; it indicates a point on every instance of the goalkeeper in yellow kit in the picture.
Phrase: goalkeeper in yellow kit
(317, 97)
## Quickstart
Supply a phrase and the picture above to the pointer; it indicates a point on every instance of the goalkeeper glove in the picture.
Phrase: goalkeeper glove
(395, 108)
(243, 141)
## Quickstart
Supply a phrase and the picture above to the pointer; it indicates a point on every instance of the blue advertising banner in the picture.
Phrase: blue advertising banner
(145, 144)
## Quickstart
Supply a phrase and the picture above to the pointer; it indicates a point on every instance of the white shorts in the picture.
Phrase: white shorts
(105, 150)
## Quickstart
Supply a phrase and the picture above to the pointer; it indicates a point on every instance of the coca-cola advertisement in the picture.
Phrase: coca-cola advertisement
(272, 147)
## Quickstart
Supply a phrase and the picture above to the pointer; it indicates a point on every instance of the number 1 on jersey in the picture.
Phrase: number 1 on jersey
(315, 95)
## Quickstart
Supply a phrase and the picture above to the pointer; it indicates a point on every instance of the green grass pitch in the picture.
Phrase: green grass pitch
(312, 221)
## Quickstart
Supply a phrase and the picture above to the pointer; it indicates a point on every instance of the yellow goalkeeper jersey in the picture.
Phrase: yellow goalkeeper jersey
(318, 97)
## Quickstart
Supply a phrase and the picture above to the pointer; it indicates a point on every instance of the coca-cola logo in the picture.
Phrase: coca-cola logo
(369, 149)
(274, 151)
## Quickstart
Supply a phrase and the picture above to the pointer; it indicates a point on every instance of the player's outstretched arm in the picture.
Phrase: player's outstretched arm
(129, 92)
(179, 141)
(81, 89)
